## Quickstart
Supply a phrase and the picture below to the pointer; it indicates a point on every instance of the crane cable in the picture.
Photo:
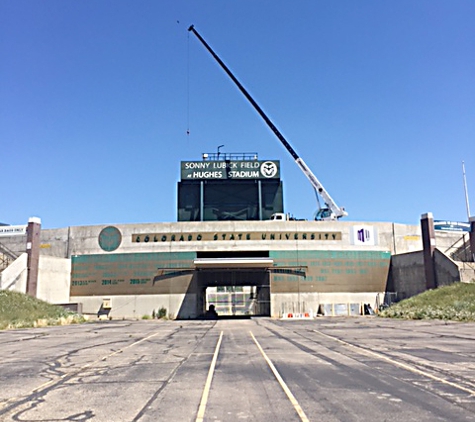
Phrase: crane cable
(188, 87)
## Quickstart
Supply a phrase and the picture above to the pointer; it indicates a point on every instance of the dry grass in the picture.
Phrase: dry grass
(455, 302)
(21, 311)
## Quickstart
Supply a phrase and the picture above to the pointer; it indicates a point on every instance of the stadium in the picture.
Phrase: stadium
(233, 246)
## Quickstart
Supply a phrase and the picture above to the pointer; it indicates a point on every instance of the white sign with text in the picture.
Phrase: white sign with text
(13, 230)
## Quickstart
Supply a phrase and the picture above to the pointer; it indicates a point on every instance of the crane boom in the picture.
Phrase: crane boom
(331, 211)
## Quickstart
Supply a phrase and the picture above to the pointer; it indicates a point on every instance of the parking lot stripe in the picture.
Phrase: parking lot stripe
(204, 397)
(400, 364)
(293, 400)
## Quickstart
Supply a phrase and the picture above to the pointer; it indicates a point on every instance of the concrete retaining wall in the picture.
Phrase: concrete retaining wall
(407, 276)
(64, 242)
(54, 278)
(132, 306)
(447, 241)
(467, 272)
(283, 304)
(16, 244)
(14, 276)
(446, 270)
(404, 242)
(139, 305)
(55, 242)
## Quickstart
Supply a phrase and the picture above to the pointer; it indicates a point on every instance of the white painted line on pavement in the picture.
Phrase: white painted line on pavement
(400, 364)
(204, 397)
(293, 400)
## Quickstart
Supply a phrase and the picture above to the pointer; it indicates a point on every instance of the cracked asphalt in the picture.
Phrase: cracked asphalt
(329, 369)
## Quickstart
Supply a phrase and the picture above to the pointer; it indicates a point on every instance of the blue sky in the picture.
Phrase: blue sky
(96, 97)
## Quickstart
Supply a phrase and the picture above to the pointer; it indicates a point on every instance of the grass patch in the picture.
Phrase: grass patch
(18, 310)
(455, 302)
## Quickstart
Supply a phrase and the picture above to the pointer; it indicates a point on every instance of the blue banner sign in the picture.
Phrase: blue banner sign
(451, 226)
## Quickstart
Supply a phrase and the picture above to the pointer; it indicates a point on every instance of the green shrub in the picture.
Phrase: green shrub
(162, 313)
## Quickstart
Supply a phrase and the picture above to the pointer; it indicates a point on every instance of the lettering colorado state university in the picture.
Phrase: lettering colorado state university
(226, 236)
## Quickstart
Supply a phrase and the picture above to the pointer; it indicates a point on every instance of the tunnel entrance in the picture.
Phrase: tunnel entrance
(238, 293)
(232, 300)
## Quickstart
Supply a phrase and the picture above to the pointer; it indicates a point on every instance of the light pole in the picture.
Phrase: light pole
(219, 153)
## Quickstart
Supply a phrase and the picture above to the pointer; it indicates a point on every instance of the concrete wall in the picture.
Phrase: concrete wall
(467, 272)
(59, 244)
(403, 238)
(403, 242)
(140, 305)
(55, 242)
(407, 275)
(396, 238)
(16, 244)
(283, 304)
(54, 279)
(448, 242)
(446, 270)
(14, 276)
(133, 306)
(64, 242)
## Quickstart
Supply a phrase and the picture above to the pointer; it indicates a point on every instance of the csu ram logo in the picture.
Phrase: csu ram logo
(110, 238)
(268, 169)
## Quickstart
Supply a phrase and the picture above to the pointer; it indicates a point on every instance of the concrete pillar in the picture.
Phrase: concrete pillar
(472, 237)
(202, 201)
(259, 194)
(33, 255)
(428, 244)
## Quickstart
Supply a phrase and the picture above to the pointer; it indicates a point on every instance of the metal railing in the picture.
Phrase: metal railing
(461, 252)
(223, 156)
(460, 249)
(7, 256)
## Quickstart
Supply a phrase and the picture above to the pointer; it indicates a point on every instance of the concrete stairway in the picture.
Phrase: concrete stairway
(6, 257)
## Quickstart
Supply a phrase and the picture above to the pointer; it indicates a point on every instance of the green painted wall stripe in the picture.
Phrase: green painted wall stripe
(185, 257)
(355, 255)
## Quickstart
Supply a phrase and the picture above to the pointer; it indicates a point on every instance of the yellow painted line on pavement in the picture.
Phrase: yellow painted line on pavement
(75, 372)
(204, 397)
(400, 364)
(293, 400)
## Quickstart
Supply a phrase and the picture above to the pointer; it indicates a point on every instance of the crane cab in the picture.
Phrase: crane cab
(325, 214)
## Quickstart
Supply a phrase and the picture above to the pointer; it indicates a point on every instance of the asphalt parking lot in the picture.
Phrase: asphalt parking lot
(328, 369)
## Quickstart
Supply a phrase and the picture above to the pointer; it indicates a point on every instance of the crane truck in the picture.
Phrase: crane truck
(330, 210)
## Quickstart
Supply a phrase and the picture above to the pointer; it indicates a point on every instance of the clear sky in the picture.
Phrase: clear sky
(96, 97)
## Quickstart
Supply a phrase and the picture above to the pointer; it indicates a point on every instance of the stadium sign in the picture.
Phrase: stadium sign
(230, 169)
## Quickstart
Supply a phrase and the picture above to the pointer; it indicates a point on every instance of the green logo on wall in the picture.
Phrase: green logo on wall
(110, 238)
